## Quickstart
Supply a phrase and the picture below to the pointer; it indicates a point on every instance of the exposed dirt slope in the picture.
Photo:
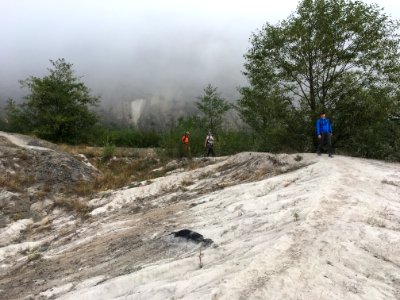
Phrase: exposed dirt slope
(282, 226)
(31, 172)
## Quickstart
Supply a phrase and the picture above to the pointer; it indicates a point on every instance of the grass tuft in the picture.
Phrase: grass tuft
(16, 182)
(74, 205)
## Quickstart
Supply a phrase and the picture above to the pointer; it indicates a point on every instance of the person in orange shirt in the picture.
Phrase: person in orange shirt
(185, 144)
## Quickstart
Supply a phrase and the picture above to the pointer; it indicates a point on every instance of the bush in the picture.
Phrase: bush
(107, 152)
(123, 137)
(3, 125)
(172, 142)
(232, 142)
(135, 138)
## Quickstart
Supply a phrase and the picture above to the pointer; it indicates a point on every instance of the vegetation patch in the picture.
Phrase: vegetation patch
(74, 205)
(32, 254)
(16, 182)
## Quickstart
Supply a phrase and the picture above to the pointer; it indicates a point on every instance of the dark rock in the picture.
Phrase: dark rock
(192, 236)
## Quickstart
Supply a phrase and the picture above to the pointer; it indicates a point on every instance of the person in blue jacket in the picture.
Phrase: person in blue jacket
(324, 132)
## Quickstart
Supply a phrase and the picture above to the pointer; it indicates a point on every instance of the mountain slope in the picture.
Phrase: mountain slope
(330, 230)
(282, 226)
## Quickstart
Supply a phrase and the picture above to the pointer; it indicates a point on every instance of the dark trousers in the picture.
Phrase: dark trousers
(186, 150)
(210, 149)
(325, 138)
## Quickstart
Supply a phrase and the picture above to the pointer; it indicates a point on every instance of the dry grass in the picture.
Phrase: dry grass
(291, 181)
(43, 192)
(205, 175)
(43, 225)
(85, 150)
(228, 167)
(16, 216)
(187, 182)
(128, 165)
(24, 234)
(218, 186)
(260, 173)
(119, 173)
(376, 222)
(73, 205)
(16, 182)
(193, 164)
(242, 176)
(95, 152)
(276, 161)
(225, 184)
(298, 158)
(33, 254)
(389, 182)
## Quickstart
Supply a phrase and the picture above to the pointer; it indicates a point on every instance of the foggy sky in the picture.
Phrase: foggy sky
(127, 50)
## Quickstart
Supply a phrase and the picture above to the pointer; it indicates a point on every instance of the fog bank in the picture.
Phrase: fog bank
(164, 52)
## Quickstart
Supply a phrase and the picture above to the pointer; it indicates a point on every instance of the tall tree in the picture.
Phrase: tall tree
(58, 104)
(213, 107)
(326, 54)
(16, 120)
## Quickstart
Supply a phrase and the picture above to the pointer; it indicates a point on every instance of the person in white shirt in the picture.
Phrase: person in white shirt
(209, 144)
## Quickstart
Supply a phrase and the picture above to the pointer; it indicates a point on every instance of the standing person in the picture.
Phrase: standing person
(324, 132)
(186, 145)
(209, 144)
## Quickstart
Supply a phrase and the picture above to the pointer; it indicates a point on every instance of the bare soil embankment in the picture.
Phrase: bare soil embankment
(277, 227)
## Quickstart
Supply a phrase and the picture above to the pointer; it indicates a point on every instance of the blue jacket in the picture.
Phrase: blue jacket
(323, 126)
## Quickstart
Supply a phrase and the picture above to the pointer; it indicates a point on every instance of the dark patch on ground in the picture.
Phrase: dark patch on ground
(193, 236)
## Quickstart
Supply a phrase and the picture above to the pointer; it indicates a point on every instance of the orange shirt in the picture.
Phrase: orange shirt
(185, 139)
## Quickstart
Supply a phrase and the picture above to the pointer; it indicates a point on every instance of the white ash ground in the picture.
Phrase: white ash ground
(282, 227)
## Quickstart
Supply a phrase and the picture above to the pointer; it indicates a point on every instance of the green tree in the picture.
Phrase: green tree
(213, 107)
(172, 138)
(327, 54)
(58, 104)
(16, 119)
(3, 124)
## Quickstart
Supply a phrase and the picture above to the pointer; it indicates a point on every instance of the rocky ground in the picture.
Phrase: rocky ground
(32, 172)
(253, 225)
